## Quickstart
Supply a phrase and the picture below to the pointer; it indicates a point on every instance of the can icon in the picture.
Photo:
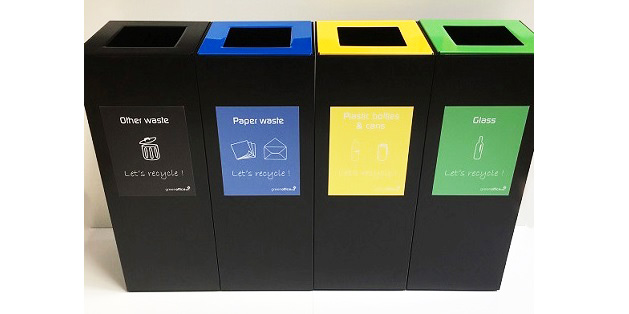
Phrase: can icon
(150, 150)
(383, 152)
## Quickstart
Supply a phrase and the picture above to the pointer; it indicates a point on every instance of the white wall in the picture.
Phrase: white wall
(98, 12)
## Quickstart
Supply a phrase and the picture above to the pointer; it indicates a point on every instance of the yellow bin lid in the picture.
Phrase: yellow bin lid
(395, 37)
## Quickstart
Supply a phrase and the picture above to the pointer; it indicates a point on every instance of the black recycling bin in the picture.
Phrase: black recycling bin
(256, 82)
(479, 145)
(373, 90)
(142, 105)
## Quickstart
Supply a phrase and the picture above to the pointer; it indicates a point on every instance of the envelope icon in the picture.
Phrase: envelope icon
(275, 150)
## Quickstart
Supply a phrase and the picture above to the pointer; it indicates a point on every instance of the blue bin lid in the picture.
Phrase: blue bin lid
(300, 39)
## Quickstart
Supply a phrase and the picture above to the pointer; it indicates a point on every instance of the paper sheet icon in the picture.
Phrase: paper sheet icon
(275, 150)
(244, 150)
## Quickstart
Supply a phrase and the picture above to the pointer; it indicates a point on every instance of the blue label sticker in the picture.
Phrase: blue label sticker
(259, 149)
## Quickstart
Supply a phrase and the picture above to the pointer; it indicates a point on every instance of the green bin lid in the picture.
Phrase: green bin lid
(479, 36)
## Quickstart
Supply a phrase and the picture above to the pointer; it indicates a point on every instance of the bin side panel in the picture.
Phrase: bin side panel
(461, 242)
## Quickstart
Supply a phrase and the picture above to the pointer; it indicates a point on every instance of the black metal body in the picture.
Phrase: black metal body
(263, 242)
(165, 243)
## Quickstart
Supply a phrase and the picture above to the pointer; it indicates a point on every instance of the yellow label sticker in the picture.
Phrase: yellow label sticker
(369, 150)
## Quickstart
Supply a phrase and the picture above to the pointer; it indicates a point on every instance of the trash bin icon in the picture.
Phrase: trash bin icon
(150, 150)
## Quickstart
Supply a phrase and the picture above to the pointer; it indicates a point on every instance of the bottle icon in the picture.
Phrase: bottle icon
(355, 151)
(478, 150)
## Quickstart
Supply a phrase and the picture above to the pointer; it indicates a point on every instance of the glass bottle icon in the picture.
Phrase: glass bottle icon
(355, 151)
(478, 150)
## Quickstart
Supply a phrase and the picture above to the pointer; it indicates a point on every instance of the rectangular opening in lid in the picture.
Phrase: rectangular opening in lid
(482, 36)
(370, 36)
(261, 37)
(147, 36)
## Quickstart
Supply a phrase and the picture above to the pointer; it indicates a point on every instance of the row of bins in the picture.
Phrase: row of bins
(332, 155)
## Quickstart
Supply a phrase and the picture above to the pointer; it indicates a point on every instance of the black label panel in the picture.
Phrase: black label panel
(150, 150)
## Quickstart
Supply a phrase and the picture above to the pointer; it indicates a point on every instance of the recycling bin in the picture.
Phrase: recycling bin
(373, 82)
(256, 83)
(479, 145)
(142, 105)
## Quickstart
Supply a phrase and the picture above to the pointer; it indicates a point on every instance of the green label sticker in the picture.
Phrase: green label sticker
(478, 149)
